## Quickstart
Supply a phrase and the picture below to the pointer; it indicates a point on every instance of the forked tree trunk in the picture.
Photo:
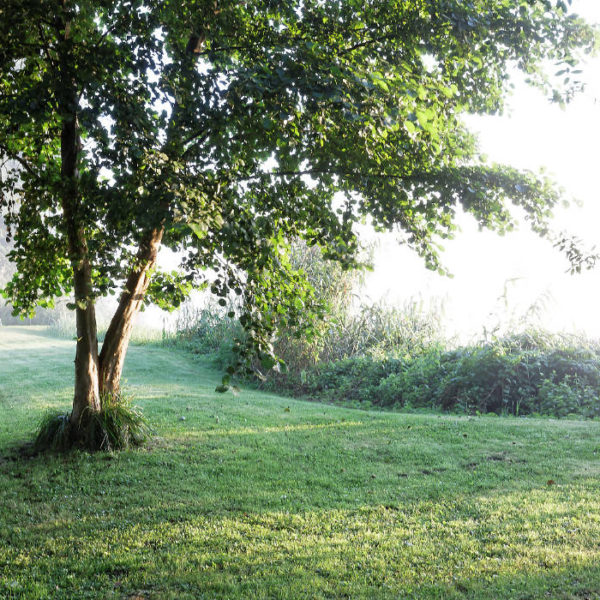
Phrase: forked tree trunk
(96, 374)
(118, 335)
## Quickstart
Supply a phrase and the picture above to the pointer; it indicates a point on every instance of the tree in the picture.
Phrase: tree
(224, 128)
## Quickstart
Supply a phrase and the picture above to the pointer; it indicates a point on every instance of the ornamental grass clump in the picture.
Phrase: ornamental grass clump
(54, 433)
(116, 426)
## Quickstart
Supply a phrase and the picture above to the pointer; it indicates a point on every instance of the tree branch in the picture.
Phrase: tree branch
(365, 43)
(201, 136)
(45, 46)
(18, 159)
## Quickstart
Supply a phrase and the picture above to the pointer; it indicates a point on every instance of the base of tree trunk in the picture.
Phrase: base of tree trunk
(116, 426)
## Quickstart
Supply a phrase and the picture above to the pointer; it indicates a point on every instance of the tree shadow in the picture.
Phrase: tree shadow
(251, 501)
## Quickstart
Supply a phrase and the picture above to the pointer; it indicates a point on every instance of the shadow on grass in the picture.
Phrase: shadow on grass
(247, 498)
(282, 511)
(480, 547)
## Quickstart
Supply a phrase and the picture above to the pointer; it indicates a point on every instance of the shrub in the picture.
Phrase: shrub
(568, 397)
(515, 376)
(350, 379)
(374, 355)
(206, 330)
(414, 385)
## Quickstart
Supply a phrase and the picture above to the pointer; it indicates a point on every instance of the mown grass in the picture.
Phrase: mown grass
(258, 496)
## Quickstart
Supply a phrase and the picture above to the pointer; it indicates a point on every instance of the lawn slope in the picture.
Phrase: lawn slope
(258, 496)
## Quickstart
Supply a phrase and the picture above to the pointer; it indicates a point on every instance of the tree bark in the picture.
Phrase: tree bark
(87, 388)
(118, 335)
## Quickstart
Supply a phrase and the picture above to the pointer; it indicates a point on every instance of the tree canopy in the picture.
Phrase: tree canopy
(223, 129)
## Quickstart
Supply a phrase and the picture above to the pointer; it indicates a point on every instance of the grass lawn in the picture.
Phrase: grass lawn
(258, 496)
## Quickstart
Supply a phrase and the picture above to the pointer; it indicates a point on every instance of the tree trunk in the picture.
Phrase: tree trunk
(118, 335)
(96, 374)
(87, 389)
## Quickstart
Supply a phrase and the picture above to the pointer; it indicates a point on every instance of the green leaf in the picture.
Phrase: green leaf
(199, 229)
(268, 362)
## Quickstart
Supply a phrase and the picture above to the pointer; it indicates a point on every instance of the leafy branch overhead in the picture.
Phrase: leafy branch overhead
(225, 129)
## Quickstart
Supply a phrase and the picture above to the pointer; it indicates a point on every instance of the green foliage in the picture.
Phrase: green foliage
(569, 397)
(503, 377)
(410, 385)
(206, 329)
(5, 266)
(118, 425)
(168, 290)
(230, 130)
(351, 380)
(309, 342)
(212, 327)
(398, 358)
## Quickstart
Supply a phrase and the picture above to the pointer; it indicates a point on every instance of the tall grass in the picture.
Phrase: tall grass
(205, 329)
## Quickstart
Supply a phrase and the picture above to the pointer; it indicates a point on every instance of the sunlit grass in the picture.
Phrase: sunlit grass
(257, 496)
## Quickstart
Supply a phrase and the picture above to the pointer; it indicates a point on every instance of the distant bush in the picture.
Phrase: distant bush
(503, 377)
(390, 359)
(353, 379)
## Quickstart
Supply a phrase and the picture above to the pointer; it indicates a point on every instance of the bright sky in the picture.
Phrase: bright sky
(533, 134)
